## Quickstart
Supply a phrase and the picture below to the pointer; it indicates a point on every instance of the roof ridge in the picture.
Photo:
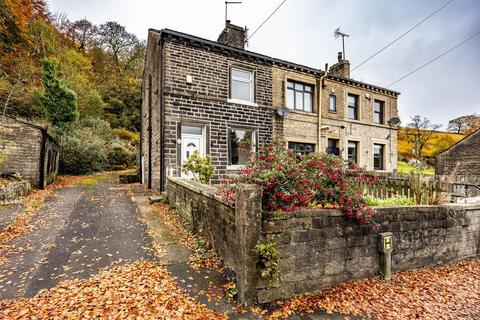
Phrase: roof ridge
(171, 32)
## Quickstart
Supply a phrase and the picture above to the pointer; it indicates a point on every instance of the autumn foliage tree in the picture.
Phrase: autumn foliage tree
(464, 124)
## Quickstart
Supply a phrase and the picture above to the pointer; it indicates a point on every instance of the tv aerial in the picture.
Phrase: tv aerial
(337, 33)
(226, 8)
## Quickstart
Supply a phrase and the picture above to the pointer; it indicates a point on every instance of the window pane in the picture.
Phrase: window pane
(298, 86)
(299, 100)
(191, 130)
(332, 147)
(378, 106)
(377, 118)
(333, 103)
(240, 90)
(242, 74)
(352, 151)
(301, 148)
(291, 99)
(307, 102)
(289, 84)
(352, 113)
(378, 157)
(308, 88)
(241, 145)
(352, 101)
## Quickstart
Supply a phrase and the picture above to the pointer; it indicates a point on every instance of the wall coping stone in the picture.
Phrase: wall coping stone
(386, 210)
(200, 188)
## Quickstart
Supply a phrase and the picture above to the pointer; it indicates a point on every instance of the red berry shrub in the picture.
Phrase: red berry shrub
(316, 180)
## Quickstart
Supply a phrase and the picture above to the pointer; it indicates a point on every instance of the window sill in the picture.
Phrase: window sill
(246, 103)
(235, 167)
(302, 112)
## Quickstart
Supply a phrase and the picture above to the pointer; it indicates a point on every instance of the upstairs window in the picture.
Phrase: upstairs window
(299, 96)
(241, 143)
(352, 107)
(378, 112)
(332, 106)
(241, 85)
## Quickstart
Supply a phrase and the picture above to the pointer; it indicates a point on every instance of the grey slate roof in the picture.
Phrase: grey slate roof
(168, 33)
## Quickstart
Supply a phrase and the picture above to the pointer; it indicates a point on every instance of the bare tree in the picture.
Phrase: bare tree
(464, 124)
(420, 132)
(115, 40)
(83, 34)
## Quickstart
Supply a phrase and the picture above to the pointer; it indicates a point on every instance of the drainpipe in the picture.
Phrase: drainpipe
(43, 150)
(325, 74)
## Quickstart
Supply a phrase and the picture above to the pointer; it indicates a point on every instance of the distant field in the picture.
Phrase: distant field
(440, 141)
(404, 167)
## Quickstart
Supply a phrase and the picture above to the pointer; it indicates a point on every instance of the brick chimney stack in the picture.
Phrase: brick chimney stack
(341, 68)
(233, 36)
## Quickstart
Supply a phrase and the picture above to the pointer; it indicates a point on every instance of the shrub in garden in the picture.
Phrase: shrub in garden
(132, 137)
(90, 146)
(199, 166)
(317, 180)
(120, 157)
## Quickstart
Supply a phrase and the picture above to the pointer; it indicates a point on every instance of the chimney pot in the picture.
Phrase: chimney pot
(340, 56)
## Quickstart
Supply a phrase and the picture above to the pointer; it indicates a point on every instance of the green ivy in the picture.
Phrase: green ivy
(268, 260)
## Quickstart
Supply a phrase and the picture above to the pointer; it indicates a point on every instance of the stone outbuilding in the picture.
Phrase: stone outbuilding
(463, 158)
(29, 151)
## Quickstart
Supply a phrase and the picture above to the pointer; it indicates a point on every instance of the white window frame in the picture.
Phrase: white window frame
(254, 145)
(251, 82)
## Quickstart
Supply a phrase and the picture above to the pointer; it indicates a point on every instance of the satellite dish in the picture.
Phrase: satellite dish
(282, 111)
(394, 121)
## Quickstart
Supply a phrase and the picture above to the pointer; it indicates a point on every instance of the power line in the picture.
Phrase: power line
(281, 4)
(401, 36)
(434, 59)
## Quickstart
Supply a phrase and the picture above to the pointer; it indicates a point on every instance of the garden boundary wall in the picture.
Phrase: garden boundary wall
(14, 192)
(321, 247)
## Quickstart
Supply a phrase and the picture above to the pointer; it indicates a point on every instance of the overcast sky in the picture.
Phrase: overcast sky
(302, 31)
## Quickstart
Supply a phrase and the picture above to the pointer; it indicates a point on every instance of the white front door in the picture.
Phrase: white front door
(191, 143)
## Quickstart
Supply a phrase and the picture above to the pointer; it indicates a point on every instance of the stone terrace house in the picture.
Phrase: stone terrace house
(463, 158)
(219, 99)
(28, 151)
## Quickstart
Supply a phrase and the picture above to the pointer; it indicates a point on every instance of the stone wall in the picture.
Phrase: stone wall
(151, 115)
(206, 103)
(319, 248)
(462, 158)
(299, 126)
(14, 192)
(25, 146)
(233, 231)
(20, 143)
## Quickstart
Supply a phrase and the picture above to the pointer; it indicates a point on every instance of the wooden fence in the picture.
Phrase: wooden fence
(423, 189)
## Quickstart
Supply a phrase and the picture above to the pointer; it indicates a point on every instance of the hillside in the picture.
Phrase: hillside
(440, 141)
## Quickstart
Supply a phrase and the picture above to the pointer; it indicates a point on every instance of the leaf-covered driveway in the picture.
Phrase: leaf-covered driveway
(80, 230)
